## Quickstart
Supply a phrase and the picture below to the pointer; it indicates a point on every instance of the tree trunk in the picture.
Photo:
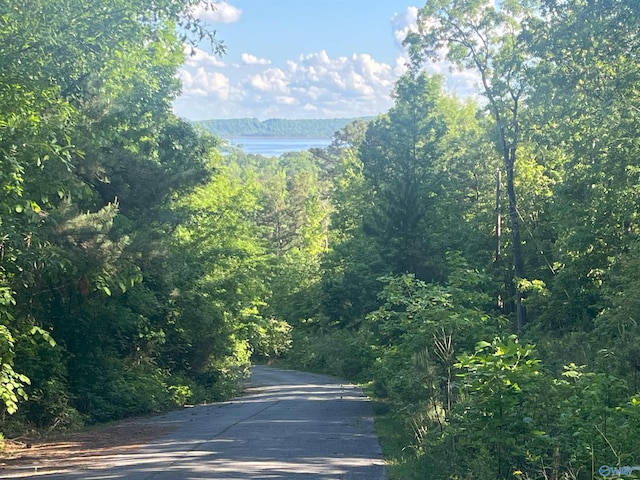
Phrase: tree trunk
(516, 248)
(498, 251)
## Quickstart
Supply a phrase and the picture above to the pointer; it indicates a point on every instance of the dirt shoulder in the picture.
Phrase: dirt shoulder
(29, 456)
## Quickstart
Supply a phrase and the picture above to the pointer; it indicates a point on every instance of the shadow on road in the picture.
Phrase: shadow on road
(287, 425)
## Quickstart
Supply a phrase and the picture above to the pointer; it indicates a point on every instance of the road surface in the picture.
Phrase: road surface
(288, 425)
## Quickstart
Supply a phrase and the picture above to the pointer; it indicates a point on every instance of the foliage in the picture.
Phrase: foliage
(561, 88)
(92, 282)
(341, 353)
(487, 39)
(419, 327)
(11, 383)
(141, 269)
(499, 380)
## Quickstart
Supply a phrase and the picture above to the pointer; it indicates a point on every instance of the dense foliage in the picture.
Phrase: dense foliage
(124, 289)
(476, 263)
(494, 315)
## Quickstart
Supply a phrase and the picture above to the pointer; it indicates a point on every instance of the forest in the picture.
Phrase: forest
(276, 127)
(473, 262)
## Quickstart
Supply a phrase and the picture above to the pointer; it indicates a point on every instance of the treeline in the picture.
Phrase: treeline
(133, 275)
(483, 258)
(275, 127)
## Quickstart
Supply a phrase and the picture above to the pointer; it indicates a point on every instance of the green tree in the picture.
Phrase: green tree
(486, 39)
(399, 156)
(85, 120)
(415, 188)
(586, 106)
(496, 418)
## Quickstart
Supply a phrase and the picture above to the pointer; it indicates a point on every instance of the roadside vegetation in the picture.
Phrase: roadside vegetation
(473, 262)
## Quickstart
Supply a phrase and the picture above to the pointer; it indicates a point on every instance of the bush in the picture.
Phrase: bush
(344, 353)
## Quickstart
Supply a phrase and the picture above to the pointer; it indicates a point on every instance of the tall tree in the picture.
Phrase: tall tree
(586, 104)
(486, 39)
(85, 120)
(399, 155)
(415, 188)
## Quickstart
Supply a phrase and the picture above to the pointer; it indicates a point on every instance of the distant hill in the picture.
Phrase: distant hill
(277, 127)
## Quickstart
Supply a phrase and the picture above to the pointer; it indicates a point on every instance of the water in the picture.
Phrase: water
(276, 146)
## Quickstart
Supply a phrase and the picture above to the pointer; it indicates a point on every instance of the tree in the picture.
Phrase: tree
(486, 39)
(85, 119)
(585, 105)
(352, 262)
(413, 188)
(399, 156)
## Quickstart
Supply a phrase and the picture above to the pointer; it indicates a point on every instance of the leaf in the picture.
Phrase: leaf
(44, 334)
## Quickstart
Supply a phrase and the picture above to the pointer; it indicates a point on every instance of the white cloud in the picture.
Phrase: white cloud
(271, 80)
(404, 23)
(249, 59)
(402, 65)
(286, 100)
(314, 85)
(359, 74)
(203, 84)
(195, 57)
(220, 12)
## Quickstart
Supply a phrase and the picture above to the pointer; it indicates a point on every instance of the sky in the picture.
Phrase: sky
(301, 59)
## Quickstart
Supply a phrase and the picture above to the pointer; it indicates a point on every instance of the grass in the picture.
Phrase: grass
(396, 438)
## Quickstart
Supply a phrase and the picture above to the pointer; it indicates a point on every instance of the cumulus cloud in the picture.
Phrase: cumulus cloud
(249, 59)
(404, 23)
(271, 80)
(286, 100)
(195, 57)
(313, 85)
(402, 65)
(220, 12)
(359, 74)
(203, 84)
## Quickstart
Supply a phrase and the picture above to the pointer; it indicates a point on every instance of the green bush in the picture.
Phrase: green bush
(345, 353)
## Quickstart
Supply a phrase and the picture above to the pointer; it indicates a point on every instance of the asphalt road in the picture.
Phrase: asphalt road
(289, 425)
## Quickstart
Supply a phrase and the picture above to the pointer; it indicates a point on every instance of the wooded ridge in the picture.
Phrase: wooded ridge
(276, 127)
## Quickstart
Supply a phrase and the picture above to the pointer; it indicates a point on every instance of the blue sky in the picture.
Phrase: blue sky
(300, 59)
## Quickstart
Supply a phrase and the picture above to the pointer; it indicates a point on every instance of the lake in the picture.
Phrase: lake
(276, 146)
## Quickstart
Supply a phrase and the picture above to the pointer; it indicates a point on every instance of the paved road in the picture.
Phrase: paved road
(289, 425)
